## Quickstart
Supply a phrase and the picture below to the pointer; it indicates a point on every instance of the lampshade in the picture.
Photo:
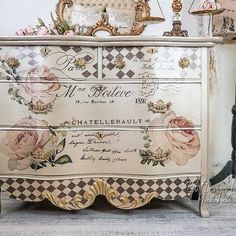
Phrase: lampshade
(156, 14)
(201, 7)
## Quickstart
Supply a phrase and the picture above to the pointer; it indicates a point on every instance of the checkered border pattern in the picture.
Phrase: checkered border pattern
(32, 190)
(110, 54)
(31, 56)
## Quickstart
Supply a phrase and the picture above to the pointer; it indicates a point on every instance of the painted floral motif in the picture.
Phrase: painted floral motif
(36, 88)
(209, 5)
(34, 149)
(178, 143)
(56, 28)
(39, 96)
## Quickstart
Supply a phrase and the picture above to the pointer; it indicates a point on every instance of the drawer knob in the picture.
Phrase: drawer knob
(120, 63)
(184, 62)
(13, 62)
(80, 63)
(159, 106)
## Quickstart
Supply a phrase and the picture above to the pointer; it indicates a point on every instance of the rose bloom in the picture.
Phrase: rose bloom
(183, 144)
(53, 29)
(39, 84)
(42, 30)
(69, 33)
(19, 146)
(29, 30)
(20, 32)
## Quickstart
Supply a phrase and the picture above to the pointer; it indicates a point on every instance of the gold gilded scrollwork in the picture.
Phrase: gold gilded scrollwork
(100, 187)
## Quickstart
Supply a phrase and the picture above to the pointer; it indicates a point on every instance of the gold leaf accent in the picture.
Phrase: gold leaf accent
(159, 106)
(80, 63)
(13, 62)
(120, 63)
(100, 187)
(41, 156)
(184, 62)
(159, 154)
(40, 107)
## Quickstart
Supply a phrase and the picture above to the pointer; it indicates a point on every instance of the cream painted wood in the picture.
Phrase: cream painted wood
(101, 130)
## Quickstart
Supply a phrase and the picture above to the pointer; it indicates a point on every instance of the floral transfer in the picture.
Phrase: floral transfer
(36, 88)
(178, 143)
(34, 149)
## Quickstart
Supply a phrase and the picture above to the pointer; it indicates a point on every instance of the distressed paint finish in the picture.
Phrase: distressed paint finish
(162, 135)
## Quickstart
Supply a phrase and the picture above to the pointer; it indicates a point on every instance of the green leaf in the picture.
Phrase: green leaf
(63, 160)
(155, 163)
(162, 164)
(53, 20)
(149, 161)
(10, 91)
(61, 146)
(146, 145)
(143, 153)
(143, 162)
(145, 137)
(52, 131)
(41, 23)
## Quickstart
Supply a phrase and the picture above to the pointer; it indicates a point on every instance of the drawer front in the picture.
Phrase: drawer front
(98, 152)
(77, 63)
(151, 62)
(106, 104)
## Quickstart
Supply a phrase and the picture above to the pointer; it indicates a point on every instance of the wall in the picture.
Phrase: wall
(16, 14)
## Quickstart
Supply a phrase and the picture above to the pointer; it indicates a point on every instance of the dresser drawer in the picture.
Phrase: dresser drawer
(64, 62)
(99, 104)
(99, 152)
(152, 62)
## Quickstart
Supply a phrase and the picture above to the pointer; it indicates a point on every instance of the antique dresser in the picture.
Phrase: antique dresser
(86, 116)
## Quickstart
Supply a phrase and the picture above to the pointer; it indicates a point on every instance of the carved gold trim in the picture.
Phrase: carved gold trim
(60, 7)
(100, 187)
(142, 9)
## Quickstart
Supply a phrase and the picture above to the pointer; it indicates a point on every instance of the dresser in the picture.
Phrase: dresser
(123, 117)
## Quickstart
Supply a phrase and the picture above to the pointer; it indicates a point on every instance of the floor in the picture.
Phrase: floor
(158, 218)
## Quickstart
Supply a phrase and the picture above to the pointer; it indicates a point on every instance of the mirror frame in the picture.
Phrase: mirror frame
(142, 9)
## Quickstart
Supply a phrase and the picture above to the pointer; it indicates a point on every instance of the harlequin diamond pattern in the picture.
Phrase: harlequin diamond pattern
(32, 190)
(139, 60)
(31, 56)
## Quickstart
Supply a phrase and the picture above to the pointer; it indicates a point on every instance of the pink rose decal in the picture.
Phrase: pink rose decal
(178, 143)
(32, 148)
(22, 147)
(39, 96)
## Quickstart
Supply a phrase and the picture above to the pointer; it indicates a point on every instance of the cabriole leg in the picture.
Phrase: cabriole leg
(204, 199)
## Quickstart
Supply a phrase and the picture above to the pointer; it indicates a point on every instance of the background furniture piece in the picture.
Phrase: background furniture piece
(126, 118)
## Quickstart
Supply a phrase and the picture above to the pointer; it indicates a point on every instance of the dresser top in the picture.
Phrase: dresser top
(109, 41)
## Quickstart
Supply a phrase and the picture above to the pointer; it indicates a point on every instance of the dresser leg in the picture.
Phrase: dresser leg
(204, 199)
